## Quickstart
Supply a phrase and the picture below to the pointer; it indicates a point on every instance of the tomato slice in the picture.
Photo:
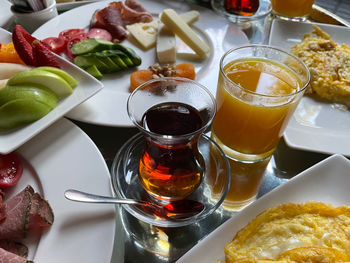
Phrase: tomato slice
(99, 33)
(11, 169)
(55, 44)
(72, 33)
(70, 43)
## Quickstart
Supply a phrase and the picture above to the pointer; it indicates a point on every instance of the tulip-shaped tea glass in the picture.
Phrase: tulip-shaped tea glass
(171, 113)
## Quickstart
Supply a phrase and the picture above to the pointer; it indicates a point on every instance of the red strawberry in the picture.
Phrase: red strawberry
(22, 41)
(43, 55)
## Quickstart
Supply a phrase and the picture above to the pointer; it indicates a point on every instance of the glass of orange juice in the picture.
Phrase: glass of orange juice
(292, 9)
(259, 88)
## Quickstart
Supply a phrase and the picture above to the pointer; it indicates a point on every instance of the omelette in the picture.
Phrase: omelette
(329, 65)
(309, 232)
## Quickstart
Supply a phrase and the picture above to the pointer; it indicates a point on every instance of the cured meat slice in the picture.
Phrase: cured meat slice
(130, 15)
(2, 210)
(41, 214)
(133, 4)
(14, 247)
(109, 18)
(25, 211)
(17, 213)
(8, 257)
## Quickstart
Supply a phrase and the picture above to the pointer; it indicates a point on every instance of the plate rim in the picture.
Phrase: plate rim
(31, 130)
(292, 132)
(253, 210)
(39, 155)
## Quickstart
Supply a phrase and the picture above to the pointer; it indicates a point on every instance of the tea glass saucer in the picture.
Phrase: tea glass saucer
(264, 9)
(211, 192)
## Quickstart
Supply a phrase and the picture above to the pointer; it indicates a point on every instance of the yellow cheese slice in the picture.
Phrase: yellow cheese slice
(166, 41)
(145, 34)
(176, 24)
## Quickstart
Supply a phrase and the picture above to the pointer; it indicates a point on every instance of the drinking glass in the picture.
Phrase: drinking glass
(259, 88)
(292, 9)
(171, 113)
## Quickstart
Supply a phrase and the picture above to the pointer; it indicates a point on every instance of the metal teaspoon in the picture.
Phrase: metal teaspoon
(180, 210)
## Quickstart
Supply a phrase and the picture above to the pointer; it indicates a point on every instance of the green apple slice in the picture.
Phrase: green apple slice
(29, 91)
(67, 77)
(50, 80)
(20, 112)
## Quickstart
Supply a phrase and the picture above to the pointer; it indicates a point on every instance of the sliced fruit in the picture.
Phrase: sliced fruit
(34, 92)
(72, 33)
(139, 77)
(66, 76)
(43, 55)
(9, 54)
(11, 169)
(22, 41)
(3, 83)
(50, 80)
(7, 70)
(20, 112)
(185, 70)
(55, 44)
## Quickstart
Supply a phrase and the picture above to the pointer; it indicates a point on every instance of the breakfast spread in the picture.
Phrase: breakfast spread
(307, 232)
(329, 65)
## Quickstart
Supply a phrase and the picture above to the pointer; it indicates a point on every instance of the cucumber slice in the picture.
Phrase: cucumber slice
(110, 63)
(93, 70)
(117, 59)
(85, 62)
(129, 52)
(91, 45)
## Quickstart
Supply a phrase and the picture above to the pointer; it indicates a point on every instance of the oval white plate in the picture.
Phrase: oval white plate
(87, 87)
(315, 126)
(60, 158)
(326, 181)
(109, 106)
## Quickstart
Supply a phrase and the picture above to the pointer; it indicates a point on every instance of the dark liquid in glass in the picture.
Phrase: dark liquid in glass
(171, 171)
(242, 7)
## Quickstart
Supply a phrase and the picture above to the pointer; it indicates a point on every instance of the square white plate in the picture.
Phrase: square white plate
(88, 86)
(327, 181)
(315, 126)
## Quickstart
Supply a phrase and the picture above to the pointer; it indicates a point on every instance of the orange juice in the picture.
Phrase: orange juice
(258, 90)
(292, 8)
(251, 119)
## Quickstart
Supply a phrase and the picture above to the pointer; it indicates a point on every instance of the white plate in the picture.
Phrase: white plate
(315, 126)
(6, 17)
(109, 106)
(69, 5)
(64, 157)
(326, 181)
(88, 86)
